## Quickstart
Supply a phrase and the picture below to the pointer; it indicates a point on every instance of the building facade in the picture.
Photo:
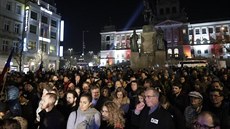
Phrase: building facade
(184, 41)
(32, 26)
(11, 29)
(42, 35)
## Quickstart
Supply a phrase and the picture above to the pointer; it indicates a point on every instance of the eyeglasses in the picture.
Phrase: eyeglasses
(197, 125)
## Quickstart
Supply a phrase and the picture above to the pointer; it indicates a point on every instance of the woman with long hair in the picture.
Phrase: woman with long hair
(112, 116)
(86, 117)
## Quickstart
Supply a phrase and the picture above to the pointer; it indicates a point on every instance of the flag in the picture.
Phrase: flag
(6, 67)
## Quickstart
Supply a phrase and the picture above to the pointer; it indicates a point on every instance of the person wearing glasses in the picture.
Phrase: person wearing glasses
(112, 116)
(219, 107)
(206, 120)
(151, 115)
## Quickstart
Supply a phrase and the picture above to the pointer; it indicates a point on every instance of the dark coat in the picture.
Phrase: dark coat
(159, 119)
(100, 102)
(52, 120)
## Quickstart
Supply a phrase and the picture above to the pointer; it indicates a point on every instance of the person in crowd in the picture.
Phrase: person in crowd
(9, 124)
(78, 91)
(207, 120)
(191, 112)
(12, 99)
(178, 117)
(143, 77)
(178, 98)
(29, 108)
(112, 116)
(148, 83)
(216, 84)
(86, 117)
(46, 89)
(133, 94)
(85, 87)
(186, 86)
(121, 99)
(23, 122)
(50, 117)
(105, 92)
(152, 115)
(71, 103)
(78, 80)
(97, 98)
(219, 107)
(68, 84)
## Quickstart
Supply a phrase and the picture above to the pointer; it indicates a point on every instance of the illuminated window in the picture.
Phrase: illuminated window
(31, 45)
(176, 52)
(52, 49)
(169, 51)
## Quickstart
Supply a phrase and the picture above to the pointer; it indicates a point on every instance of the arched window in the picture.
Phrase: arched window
(176, 52)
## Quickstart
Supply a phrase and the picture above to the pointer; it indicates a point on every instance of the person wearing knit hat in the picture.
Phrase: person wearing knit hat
(195, 94)
(191, 112)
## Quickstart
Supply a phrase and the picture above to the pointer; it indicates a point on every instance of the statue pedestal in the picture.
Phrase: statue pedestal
(150, 55)
(140, 61)
(160, 57)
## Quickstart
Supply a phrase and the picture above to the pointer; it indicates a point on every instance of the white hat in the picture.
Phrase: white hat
(195, 94)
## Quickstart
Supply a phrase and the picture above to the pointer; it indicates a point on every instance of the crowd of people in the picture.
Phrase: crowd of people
(117, 98)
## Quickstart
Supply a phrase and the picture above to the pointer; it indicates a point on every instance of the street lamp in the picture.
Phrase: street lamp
(70, 55)
(70, 51)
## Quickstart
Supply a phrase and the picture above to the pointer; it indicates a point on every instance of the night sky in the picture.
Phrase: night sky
(92, 15)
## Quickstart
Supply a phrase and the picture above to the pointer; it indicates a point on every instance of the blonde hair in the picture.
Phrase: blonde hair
(116, 115)
(23, 122)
